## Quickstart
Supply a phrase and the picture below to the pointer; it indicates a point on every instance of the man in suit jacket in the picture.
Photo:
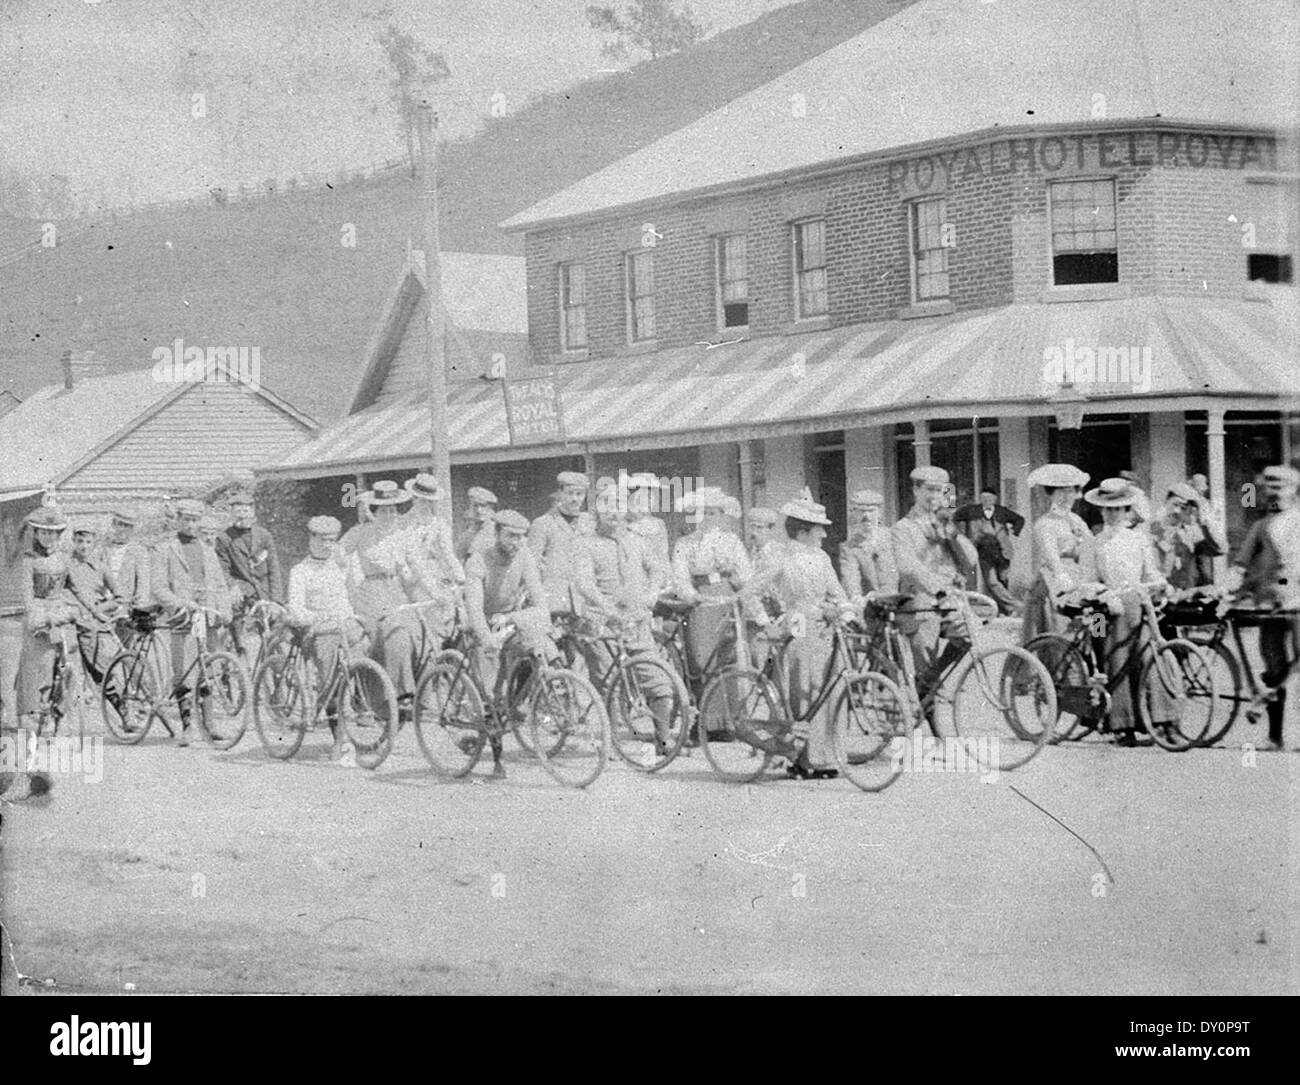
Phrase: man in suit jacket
(990, 527)
(249, 560)
(185, 577)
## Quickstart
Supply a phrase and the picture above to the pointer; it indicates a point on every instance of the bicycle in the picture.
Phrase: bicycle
(216, 681)
(746, 719)
(265, 619)
(984, 691)
(65, 697)
(1214, 623)
(645, 741)
(455, 717)
(1086, 679)
(289, 698)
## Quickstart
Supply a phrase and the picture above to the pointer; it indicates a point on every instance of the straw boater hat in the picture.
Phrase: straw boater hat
(47, 518)
(424, 487)
(1113, 493)
(1054, 476)
(806, 509)
(386, 492)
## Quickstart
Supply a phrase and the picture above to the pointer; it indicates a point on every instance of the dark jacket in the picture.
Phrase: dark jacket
(992, 538)
(249, 560)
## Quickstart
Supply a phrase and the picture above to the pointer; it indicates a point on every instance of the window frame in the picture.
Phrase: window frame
(630, 295)
(913, 207)
(719, 267)
(563, 268)
(823, 267)
(1052, 187)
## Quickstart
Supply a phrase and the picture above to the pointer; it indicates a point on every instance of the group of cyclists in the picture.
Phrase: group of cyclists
(402, 576)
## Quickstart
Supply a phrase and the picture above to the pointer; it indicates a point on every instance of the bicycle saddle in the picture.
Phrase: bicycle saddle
(889, 602)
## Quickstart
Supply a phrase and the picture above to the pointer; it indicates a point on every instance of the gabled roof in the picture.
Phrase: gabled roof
(943, 68)
(57, 430)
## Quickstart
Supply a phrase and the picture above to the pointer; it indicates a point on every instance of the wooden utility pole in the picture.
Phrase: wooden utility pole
(436, 361)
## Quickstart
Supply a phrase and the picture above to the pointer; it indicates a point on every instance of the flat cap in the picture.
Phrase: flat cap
(511, 519)
(1288, 476)
(865, 499)
(574, 479)
(1184, 491)
(190, 506)
(86, 525)
(929, 474)
(762, 516)
(324, 525)
(119, 517)
(479, 496)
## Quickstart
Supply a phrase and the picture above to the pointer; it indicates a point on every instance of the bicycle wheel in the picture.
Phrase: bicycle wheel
(870, 724)
(220, 698)
(282, 709)
(451, 717)
(740, 720)
(74, 705)
(1003, 708)
(129, 720)
(367, 712)
(649, 712)
(1177, 695)
(1230, 696)
(516, 709)
(569, 727)
(1079, 709)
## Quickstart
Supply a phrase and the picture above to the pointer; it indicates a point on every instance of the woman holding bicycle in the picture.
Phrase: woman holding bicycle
(44, 584)
(1063, 549)
(1128, 567)
(810, 596)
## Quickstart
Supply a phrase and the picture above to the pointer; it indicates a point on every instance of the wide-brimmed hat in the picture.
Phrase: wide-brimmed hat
(386, 492)
(1054, 476)
(1113, 493)
(706, 497)
(806, 509)
(424, 487)
(46, 517)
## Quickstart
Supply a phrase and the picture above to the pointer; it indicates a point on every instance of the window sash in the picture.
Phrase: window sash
(810, 267)
(640, 296)
(929, 257)
(573, 306)
(1083, 217)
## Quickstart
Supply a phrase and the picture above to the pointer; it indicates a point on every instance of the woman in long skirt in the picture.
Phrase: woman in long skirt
(1063, 549)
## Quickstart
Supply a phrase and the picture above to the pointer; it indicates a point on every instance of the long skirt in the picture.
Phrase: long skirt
(804, 660)
(1123, 706)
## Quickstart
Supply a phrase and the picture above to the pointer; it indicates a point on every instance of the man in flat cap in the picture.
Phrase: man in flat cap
(479, 529)
(1267, 571)
(92, 588)
(320, 607)
(932, 556)
(251, 564)
(186, 577)
(126, 561)
(642, 489)
(1186, 541)
(991, 526)
(556, 540)
(503, 588)
(867, 565)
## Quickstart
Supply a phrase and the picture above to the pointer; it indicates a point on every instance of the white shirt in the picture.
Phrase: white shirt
(1126, 558)
(1284, 531)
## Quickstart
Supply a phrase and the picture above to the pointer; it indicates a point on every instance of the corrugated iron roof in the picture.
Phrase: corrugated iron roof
(942, 68)
(967, 362)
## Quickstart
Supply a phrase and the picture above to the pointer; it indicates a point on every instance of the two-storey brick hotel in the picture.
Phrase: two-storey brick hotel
(980, 235)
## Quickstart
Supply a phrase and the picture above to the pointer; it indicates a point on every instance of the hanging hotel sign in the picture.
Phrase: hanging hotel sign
(1084, 151)
(533, 411)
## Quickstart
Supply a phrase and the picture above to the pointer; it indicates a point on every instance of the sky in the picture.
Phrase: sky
(102, 92)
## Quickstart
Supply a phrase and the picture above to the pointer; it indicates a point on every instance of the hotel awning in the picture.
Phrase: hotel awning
(1159, 352)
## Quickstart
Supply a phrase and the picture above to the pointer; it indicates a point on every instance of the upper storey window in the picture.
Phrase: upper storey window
(1268, 231)
(640, 296)
(733, 282)
(810, 269)
(573, 306)
(929, 254)
(1085, 247)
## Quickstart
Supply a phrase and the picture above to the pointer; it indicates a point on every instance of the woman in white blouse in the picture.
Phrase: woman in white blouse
(1063, 548)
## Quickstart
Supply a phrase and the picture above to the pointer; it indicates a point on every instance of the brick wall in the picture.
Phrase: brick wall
(1175, 193)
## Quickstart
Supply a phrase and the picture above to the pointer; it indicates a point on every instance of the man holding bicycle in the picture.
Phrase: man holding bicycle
(95, 593)
(320, 608)
(186, 577)
(249, 561)
(1267, 571)
(502, 590)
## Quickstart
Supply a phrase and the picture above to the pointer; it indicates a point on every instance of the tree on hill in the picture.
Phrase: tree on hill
(653, 27)
(415, 70)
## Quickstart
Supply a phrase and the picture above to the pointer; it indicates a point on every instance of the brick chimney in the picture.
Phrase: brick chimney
(80, 364)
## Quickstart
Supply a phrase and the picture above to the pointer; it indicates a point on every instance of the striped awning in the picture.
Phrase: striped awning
(1149, 353)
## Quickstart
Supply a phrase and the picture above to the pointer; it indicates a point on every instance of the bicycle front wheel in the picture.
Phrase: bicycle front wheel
(127, 698)
(1177, 695)
(741, 723)
(221, 698)
(649, 712)
(367, 712)
(1230, 696)
(1003, 709)
(281, 706)
(870, 726)
(568, 726)
(451, 717)
(1077, 703)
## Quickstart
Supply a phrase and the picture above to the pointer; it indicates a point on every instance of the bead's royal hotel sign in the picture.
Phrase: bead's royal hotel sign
(533, 411)
(1083, 152)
